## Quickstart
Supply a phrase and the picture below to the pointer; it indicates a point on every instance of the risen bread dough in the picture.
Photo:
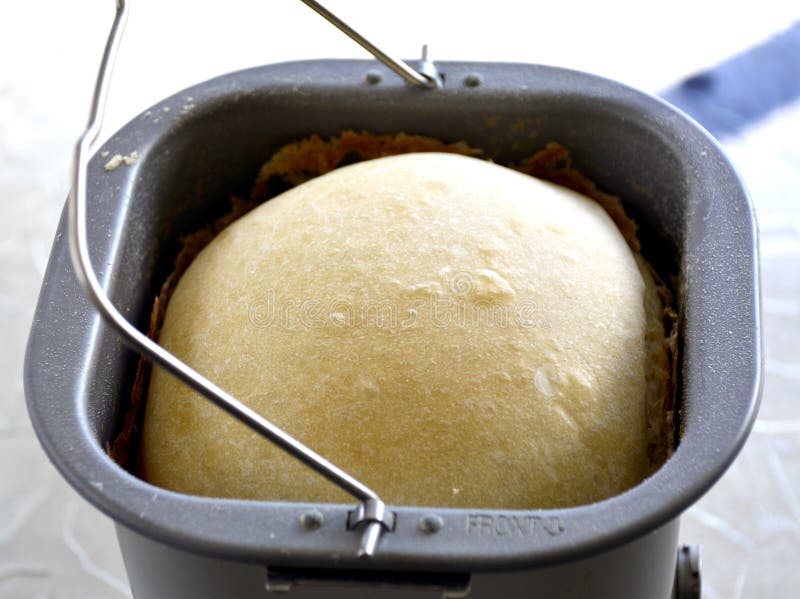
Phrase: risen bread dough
(449, 331)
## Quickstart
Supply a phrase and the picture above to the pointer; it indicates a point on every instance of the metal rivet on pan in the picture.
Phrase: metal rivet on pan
(473, 80)
(312, 519)
(373, 77)
(430, 524)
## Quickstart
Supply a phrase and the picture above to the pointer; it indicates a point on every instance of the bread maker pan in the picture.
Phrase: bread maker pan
(206, 142)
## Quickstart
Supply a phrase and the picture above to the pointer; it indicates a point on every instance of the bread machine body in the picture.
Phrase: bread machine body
(202, 144)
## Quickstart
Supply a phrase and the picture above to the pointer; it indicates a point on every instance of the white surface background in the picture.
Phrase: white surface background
(53, 544)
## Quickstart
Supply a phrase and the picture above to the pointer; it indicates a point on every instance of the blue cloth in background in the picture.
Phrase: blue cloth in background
(745, 88)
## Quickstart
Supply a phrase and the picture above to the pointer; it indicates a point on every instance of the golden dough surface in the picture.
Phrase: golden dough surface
(449, 331)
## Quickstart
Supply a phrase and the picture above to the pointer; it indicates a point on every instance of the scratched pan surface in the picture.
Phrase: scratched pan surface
(199, 146)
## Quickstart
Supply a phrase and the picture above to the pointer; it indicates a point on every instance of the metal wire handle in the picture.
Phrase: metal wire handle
(372, 511)
(427, 78)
